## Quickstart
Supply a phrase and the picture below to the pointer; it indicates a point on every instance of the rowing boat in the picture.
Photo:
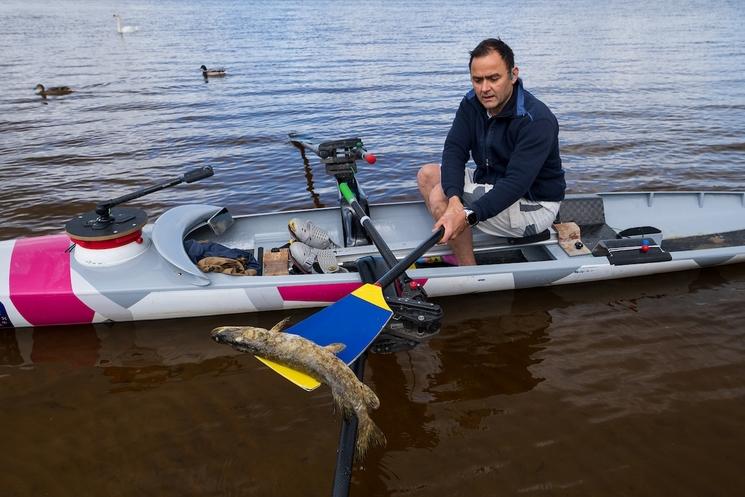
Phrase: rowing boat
(144, 272)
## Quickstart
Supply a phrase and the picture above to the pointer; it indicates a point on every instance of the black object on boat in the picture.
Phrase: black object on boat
(108, 221)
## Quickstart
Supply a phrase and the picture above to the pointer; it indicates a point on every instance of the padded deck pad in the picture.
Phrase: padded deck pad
(582, 211)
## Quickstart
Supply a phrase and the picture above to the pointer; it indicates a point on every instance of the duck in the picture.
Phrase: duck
(124, 29)
(216, 72)
(54, 90)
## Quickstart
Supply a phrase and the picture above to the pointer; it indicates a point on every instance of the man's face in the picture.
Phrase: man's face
(492, 81)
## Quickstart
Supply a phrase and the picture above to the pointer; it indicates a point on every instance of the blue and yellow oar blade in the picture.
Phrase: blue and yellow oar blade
(300, 379)
(355, 320)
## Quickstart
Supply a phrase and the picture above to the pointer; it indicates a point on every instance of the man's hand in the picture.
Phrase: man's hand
(454, 220)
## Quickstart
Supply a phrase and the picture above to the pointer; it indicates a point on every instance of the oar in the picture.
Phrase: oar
(348, 433)
(355, 320)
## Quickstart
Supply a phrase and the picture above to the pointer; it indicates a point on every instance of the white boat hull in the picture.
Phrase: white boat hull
(42, 282)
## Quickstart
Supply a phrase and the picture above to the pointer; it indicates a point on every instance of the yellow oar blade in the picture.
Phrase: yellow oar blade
(300, 379)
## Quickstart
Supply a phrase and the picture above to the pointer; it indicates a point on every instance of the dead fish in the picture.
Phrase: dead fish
(350, 395)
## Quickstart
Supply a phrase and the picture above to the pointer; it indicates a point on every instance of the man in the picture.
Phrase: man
(513, 138)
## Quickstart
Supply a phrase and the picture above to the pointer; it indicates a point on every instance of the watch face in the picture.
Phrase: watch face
(471, 218)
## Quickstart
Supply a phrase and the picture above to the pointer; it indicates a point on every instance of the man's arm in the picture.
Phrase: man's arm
(534, 143)
(456, 152)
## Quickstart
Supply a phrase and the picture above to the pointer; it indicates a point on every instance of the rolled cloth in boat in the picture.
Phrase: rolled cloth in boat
(199, 250)
(225, 266)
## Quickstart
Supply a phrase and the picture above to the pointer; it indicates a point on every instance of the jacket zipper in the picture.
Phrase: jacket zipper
(486, 142)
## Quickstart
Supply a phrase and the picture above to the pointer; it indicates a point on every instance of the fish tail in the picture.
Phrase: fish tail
(371, 400)
(368, 435)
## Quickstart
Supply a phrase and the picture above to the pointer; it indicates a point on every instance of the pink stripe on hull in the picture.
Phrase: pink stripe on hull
(40, 282)
(322, 292)
(317, 293)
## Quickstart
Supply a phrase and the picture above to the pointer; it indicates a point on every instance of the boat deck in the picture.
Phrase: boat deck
(600, 218)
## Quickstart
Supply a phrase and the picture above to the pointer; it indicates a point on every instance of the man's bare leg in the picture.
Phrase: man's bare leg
(428, 180)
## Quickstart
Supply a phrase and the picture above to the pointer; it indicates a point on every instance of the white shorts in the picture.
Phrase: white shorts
(523, 218)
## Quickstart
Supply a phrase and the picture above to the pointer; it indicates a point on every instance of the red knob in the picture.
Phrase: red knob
(645, 249)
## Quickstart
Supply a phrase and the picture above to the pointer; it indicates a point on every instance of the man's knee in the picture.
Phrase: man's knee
(428, 176)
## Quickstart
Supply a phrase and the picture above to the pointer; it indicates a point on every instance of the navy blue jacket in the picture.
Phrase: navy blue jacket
(517, 151)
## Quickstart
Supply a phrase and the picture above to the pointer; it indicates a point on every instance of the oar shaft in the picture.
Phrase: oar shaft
(347, 438)
(367, 223)
(410, 259)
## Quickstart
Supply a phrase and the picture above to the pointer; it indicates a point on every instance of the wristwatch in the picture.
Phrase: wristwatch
(471, 217)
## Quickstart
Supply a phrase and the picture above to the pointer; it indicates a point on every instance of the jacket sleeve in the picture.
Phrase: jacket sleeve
(533, 145)
(456, 153)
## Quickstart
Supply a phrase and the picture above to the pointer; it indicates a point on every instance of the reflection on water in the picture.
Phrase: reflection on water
(308, 175)
(578, 388)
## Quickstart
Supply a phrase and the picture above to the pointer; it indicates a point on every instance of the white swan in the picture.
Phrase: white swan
(124, 29)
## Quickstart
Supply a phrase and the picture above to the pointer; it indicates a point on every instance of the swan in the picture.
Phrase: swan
(55, 90)
(215, 72)
(124, 29)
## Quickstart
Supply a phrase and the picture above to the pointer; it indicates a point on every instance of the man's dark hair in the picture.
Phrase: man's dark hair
(493, 45)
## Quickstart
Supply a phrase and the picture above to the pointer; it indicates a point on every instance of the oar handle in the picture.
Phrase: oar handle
(410, 259)
(197, 174)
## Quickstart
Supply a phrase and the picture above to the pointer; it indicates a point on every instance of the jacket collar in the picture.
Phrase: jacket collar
(515, 105)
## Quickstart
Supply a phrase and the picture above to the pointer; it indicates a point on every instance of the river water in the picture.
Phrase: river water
(618, 388)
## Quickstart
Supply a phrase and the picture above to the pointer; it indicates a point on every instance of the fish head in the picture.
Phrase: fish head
(241, 337)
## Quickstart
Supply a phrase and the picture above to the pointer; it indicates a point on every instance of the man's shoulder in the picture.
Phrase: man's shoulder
(535, 108)
(470, 103)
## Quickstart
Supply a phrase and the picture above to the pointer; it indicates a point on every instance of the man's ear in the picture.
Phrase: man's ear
(513, 74)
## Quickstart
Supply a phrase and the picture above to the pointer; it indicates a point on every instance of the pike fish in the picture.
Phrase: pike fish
(351, 396)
